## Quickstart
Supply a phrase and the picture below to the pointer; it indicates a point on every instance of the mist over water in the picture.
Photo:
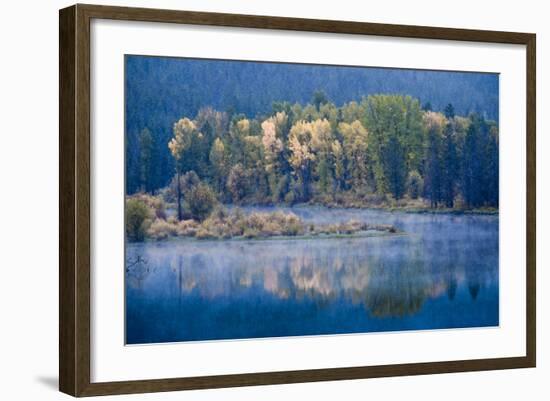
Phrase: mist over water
(442, 274)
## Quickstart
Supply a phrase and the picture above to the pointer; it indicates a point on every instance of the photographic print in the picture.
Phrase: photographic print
(267, 199)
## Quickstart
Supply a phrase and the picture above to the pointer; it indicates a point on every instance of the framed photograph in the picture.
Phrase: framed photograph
(250, 200)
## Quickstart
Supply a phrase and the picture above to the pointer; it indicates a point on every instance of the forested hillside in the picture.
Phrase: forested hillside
(263, 132)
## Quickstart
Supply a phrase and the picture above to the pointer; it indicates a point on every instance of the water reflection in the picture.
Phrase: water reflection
(443, 274)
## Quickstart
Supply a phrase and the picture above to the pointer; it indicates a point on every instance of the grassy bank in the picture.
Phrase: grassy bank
(146, 219)
(387, 203)
(351, 200)
(236, 224)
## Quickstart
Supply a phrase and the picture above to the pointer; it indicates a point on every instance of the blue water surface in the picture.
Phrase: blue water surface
(442, 274)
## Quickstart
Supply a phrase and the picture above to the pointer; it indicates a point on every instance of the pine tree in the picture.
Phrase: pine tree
(146, 147)
(449, 164)
(319, 98)
(472, 165)
(491, 169)
(432, 179)
(217, 161)
(449, 111)
(394, 163)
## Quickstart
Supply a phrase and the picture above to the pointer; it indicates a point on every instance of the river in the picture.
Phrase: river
(443, 273)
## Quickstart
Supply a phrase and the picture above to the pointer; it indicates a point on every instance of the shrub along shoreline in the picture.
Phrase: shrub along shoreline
(203, 217)
(146, 219)
(237, 225)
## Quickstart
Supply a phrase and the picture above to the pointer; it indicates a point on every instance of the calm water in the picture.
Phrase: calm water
(442, 274)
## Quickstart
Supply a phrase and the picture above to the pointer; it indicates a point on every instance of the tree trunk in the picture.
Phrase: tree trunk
(180, 214)
(305, 191)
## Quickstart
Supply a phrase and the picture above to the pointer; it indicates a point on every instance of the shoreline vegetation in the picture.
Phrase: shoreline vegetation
(147, 219)
(151, 218)
(386, 152)
(388, 204)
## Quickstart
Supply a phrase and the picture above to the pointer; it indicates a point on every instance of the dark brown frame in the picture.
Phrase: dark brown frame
(74, 199)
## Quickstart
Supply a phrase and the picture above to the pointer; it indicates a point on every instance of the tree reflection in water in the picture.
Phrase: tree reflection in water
(444, 273)
(137, 270)
(387, 286)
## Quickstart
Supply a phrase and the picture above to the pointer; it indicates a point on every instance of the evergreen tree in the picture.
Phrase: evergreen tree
(393, 156)
(337, 155)
(132, 168)
(432, 178)
(218, 163)
(146, 161)
(449, 165)
(449, 111)
(472, 165)
(324, 173)
(491, 169)
(319, 98)
(415, 184)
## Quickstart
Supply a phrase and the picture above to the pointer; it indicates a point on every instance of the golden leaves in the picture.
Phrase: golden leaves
(434, 121)
(184, 129)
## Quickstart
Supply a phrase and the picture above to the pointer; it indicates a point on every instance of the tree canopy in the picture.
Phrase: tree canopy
(384, 145)
(159, 91)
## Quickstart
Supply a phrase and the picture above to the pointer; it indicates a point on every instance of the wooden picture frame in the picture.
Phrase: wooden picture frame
(75, 207)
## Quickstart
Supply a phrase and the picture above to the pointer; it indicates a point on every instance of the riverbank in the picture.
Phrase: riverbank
(405, 205)
(150, 218)
(236, 224)
(305, 237)
(478, 211)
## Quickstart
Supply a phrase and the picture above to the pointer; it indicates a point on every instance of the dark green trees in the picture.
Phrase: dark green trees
(319, 98)
(433, 164)
(415, 184)
(491, 168)
(449, 111)
(461, 160)
(394, 164)
(218, 165)
(480, 164)
(146, 161)
(449, 166)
